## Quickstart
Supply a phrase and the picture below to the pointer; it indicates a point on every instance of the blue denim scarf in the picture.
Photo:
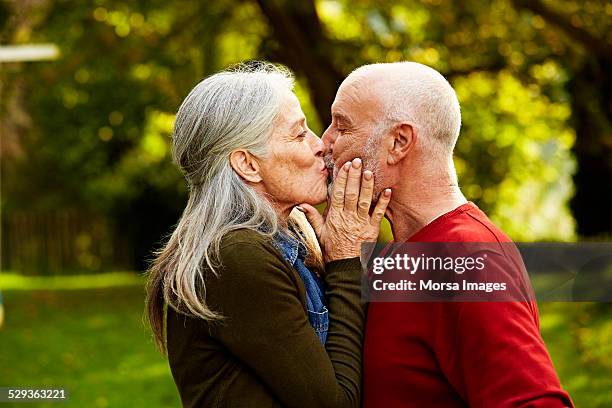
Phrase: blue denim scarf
(295, 253)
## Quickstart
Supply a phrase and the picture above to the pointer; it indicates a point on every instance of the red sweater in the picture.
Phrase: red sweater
(458, 354)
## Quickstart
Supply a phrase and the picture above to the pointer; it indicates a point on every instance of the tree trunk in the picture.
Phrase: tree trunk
(304, 48)
(591, 89)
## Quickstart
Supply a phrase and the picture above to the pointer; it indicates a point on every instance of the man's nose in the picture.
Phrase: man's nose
(328, 139)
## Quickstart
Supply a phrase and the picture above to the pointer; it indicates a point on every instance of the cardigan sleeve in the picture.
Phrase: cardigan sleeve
(266, 328)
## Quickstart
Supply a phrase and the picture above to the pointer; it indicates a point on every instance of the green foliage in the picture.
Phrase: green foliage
(90, 108)
(513, 156)
(99, 140)
(100, 117)
(514, 153)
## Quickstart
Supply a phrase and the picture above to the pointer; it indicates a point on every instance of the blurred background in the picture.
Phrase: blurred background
(88, 188)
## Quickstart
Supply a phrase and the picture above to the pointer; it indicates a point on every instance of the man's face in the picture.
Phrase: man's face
(354, 114)
(353, 111)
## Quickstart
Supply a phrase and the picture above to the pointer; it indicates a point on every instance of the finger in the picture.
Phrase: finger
(381, 207)
(365, 196)
(337, 201)
(314, 218)
(353, 184)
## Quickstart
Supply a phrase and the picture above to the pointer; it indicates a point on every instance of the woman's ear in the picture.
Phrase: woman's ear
(245, 165)
(403, 137)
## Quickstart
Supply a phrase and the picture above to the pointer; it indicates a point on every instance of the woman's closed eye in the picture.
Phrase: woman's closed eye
(302, 135)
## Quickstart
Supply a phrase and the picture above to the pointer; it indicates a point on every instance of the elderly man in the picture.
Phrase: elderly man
(403, 120)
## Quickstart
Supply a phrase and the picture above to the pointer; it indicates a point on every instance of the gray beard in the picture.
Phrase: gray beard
(329, 164)
(369, 163)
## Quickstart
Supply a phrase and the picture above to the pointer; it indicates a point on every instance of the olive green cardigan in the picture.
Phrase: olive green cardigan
(265, 353)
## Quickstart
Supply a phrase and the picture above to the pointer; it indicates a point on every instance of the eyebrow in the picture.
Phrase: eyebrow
(342, 118)
(298, 123)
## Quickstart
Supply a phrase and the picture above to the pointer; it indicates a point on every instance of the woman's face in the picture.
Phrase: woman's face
(294, 171)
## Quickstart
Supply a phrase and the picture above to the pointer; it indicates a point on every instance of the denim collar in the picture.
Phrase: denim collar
(290, 247)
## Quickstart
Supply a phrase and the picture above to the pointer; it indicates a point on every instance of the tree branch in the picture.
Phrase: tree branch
(492, 67)
(592, 43)
(305, 48)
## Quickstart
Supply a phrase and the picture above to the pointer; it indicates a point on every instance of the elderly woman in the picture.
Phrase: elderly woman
(257, 314)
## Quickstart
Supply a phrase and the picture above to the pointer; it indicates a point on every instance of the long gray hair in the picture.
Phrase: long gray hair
(233, 109)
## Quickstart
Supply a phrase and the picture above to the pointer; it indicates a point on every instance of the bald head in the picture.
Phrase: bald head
(412, 92)
(400, 117)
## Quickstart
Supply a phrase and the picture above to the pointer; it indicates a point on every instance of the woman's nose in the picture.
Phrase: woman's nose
(318, 148)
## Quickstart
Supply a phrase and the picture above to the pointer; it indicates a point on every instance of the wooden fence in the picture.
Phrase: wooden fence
(62, 242)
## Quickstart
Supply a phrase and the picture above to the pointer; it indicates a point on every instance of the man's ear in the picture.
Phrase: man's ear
(403, 137)
(245, 165)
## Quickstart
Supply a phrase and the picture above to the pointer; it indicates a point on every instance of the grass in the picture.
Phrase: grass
(91, 340)
(13, 281)
(579, 339)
